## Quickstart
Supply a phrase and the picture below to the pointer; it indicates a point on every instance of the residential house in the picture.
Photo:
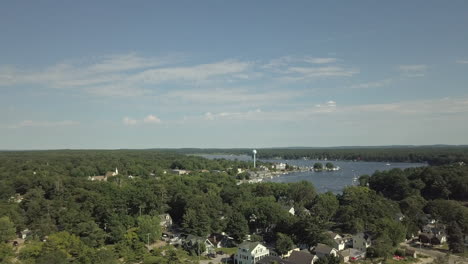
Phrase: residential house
(250, 253)
(280, 166)
(427, 219)
(273, 259)
(430, 238)
(322, 250)
(287, 254)
(165, 220)
(289, 209)
(25, 233)
(180, 172)
(221, 240)
(97, 178)
(105, 177)
(337, 240)
(362, 241)
(302, 257)
(399, 217)
(351, 254)
(192, 242)
(18, 198)
(435, 232)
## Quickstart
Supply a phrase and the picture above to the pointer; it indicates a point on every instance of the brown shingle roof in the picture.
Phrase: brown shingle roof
(299, 257)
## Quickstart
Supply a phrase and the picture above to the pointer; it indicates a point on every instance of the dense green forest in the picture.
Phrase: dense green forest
(75, 220)
(440, 191)
(434, 155)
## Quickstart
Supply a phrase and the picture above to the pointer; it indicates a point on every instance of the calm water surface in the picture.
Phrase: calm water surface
(333, 181)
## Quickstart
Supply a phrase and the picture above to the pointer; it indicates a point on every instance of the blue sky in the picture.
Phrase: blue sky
(149, 74)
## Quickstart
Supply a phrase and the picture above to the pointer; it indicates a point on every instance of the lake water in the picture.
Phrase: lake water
(333, 181)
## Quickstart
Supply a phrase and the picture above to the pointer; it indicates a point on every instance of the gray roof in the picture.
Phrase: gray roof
(322, 249)
(300, 257)
(274, 259)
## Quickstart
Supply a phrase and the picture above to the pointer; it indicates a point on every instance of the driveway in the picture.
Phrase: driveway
(218, 259)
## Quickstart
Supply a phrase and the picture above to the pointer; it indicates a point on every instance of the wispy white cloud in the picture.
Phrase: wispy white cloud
(313, 73)
(200, 72)
(31, 123)
(288, 60)
(412, 110)
(129, 121)
(367, 85)
(149, 119)
(413, 70)
(128, 75)
(238, 96)
(320, 60)
(462, 61)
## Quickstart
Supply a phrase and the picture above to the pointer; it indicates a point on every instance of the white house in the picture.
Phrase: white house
(165, 220)
(180, 172)
(280, 166)
(192, 242)
(250, 253)
(362, 241)
(290, 209)
(338, 241)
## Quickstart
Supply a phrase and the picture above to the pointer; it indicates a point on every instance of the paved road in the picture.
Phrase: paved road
(436, 253)
(216, 260)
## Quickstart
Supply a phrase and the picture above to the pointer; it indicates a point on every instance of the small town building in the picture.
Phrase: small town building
(337, 240)
(221, 240)
(302, 257)
(289, 209)
(274, 259)
(180, 172)
(192, 242)
(322, 250)
(165, 220)
(280, 166)
(250, 253)
(362, 241)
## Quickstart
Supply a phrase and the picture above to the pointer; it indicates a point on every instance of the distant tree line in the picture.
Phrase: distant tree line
(433, 155)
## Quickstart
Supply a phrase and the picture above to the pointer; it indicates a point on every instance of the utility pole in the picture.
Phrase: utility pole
(147, 240)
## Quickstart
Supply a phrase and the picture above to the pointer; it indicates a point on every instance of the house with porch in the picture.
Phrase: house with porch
(250, 253)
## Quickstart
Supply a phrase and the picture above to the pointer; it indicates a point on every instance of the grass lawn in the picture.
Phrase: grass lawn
(228, 251)
(390, 261)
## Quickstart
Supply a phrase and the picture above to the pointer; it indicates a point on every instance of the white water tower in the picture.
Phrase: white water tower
(254, 153)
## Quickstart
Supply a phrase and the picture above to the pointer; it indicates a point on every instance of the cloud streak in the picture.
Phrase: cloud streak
(130, 75)
(31, 123)
(413, 70)
(149, 119)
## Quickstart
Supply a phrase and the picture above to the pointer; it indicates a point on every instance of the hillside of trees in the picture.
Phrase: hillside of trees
(75, 220)
(440, 191)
